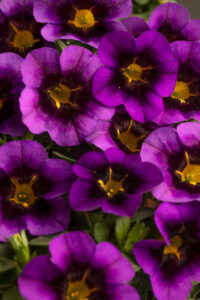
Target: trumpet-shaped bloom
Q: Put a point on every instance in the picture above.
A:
(176, 153)
(30, 190)
(78, 269)
(86, 21)
(173, 21)
(57, 97)
(136, 73)
(113, 181)
(173, 262)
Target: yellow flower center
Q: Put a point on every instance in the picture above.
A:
(83, 19)
(112, 187)
(182, 91)
(129, 139)
(78, 290)
(24, 193)
(22, 38)
(191, 172)
(61, 94)
(175, 243)
(134, 72)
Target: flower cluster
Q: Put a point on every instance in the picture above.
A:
(121, 98)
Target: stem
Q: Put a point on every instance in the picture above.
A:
(69, 159)
(88, 221)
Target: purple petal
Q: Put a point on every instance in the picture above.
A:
(38, 64)
(48, 216)
(38, 279)
(46, 12)
(116, 267)
(115, 156)
(77, 59)
(115, 44)
(122, 292)
(135, 26)
(119, 8)
(89, 163)
(189, 134)
(85, 195)
(73, 246)
(52, 32)
(12, 7)
(191, 32)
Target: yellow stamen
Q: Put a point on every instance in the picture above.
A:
(129, 139)
(22, 39)
(112, 187)
(175, 243)
(78, 290)
(24, 193)
(182, 91)
(61, 95)
(191, 172)
(134, 72)
(83, 19)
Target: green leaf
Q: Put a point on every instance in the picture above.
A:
(101, 232)
(12, 294)
(137, 233)
(42, 241)
(6, 264)
(121, 228)
(142, 214)
(142, 2)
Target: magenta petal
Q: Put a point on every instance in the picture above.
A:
(85, 195)
(115, 156)
(74, 246)
(135, 26)
(189, 133)
(113, 44)
(116, 267)
(38, 64)
(34, 283)
(48, 216)
(46, 13)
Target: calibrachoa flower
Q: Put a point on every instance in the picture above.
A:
(30, 189)
(184, 102)
(86, 21)
(58, 97)
(121, 131)
(174, 262)
(19, 32)
(78, 269)
(113, 181)
(136, 73)
(176, 153)
(173, 21)
(11, 86)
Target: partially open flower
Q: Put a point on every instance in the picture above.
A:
(78, 269)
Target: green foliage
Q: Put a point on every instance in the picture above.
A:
(101, 232)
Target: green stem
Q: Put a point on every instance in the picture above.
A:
(69, 159)
(88, 221)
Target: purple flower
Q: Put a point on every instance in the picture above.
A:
(135, 25)
(86, 21)
(78, 269)
(184, 102)
(20, 32)
(11, 86)
(58, 97)
(113, 181)
(30, 189)
(176, 153)
(121, 131)
(174, 262)
(173, 21)
(136, 73)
